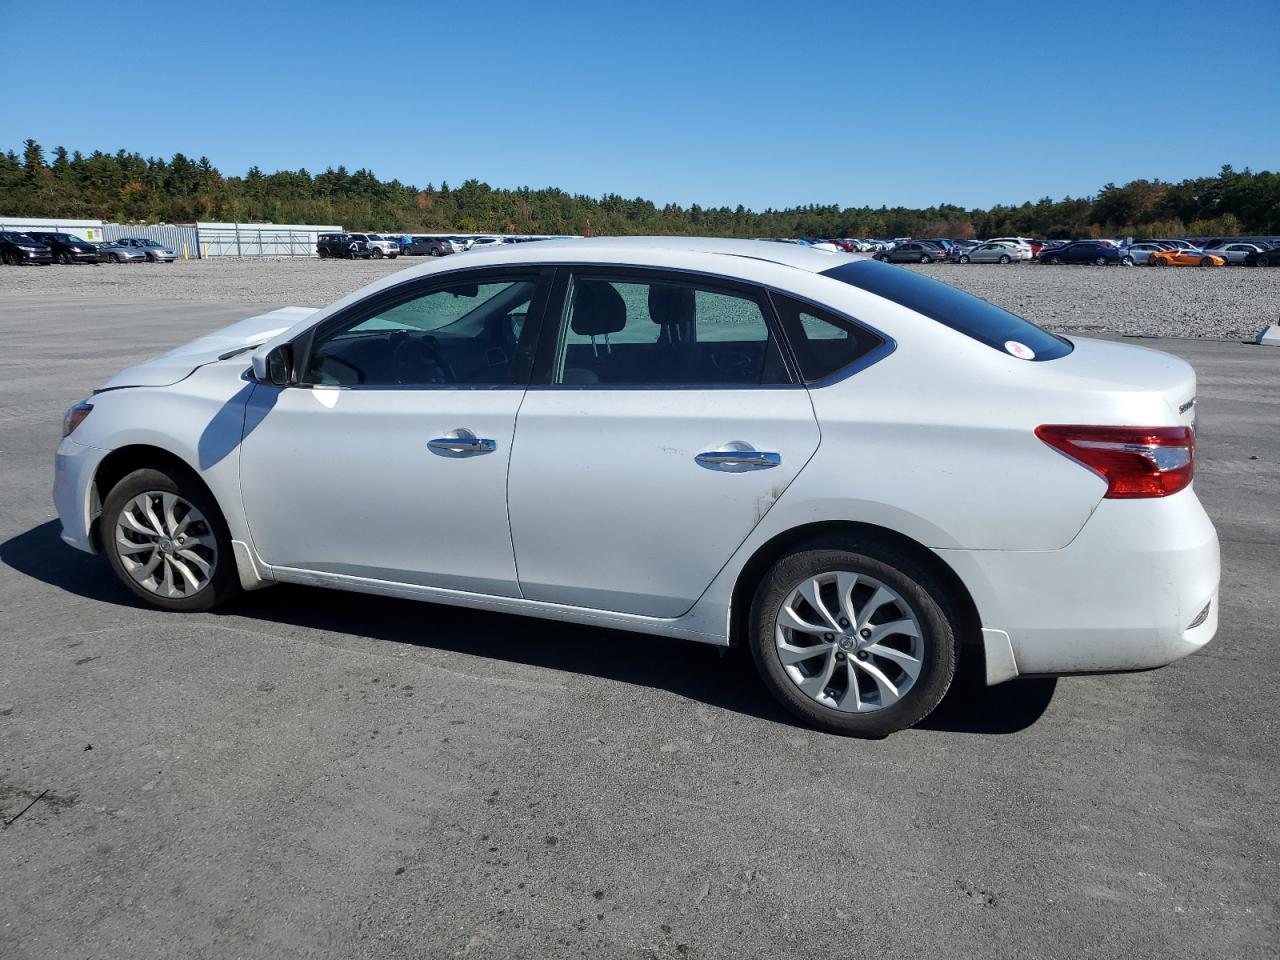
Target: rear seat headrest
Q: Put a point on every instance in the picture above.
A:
(597, 309)
(670, 304)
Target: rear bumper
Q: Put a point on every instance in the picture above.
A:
(1126, 594)
(74, 467)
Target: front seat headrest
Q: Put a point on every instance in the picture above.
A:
(670, 304)
(597, 309)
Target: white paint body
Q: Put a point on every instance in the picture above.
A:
(592, 509)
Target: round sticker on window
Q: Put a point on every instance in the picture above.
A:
(1019, 350)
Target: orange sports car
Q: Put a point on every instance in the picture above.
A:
(1185, 258)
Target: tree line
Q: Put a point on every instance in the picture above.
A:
(125, 187)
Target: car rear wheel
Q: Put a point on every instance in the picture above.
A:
(113, 258)
(323, 253)
(1056, 261)
(1262, 260)
(1206, 262)
(434, 252)
(964, 258)
(1100, 261)
(377, 253)
(167, 542)
(857, 640)
(1004, 258)
(925, 258)
(1126, 261)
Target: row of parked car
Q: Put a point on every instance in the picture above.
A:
(46, 248)
(1181, 252)
(374, 246)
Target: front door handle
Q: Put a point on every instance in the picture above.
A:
(461, 443)
(738, 457)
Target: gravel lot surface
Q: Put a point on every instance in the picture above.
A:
(317, 774)
(1231, 303)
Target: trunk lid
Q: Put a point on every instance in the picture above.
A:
(1125, 368)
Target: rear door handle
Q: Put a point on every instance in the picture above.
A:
(737, 461)
(461, 443)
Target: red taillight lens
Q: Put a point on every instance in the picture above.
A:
(1135, 461)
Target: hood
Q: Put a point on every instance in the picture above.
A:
(179, 363)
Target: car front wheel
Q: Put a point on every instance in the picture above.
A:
(167, 542)
(855, 641)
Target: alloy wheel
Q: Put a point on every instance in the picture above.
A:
(165, 544)
(849, 642)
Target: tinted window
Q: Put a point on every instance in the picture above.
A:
(458, 333)
(963, 312)
(664, 332)
(823, 343)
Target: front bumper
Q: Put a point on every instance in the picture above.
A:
(35, 256)
(1127, 594)
(74, 467)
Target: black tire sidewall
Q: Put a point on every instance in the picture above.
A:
(224, 583)
(939, 622)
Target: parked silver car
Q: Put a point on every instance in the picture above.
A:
(135, 249)
(1234, 253)
(990, 253)
(1141, 252)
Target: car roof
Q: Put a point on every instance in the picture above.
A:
(604, 249)
(731, 258)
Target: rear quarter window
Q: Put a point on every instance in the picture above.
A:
(962, 312)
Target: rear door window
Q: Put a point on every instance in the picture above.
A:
(631, 329)
(962, 312)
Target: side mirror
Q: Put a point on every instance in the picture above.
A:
(275, 366)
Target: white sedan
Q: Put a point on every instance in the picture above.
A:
(862, 474)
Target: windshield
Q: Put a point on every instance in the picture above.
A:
(962, 312)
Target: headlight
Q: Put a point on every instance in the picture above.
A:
(75, 416)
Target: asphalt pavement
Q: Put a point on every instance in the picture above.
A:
(318, 774)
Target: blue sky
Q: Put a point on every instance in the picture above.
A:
(765, 104)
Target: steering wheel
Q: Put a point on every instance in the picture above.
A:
(418, 360)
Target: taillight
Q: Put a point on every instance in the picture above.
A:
(1135, 461)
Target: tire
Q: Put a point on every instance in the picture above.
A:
(1056, 261)
(1004, 258)
(151, 258)
(1262, 260)
(1126, 261)
(65, 259)
(964, 258)
(925, 258)
(323, 253)
(1206, 262)
(1100, 261)
(218, 585)
(435, 252)
(377, 253)
(920, 599)
(113, 258)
